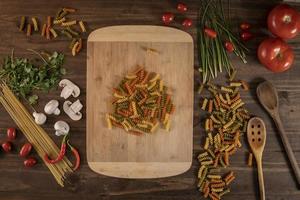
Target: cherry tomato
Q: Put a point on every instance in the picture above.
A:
(30, 162)
(284, 21)
(246, 36)
(181, 7)
(210, 32)
(167, 18)
(275, 54)
(299, 21)
(245, 26)
(187, 23)
(6, 146)
(11, 134)
(25, 150)
(229, 46)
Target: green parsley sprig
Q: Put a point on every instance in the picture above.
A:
(25, 76)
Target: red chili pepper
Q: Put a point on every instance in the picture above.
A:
(245, 26)
(181, 7)
(229, 46)
(76, 154)
(187, 23)
(210, 32)
(61, 154)
(245, 36)
(167, 18)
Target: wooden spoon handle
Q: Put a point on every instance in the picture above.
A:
(288, 148)
(261, 179)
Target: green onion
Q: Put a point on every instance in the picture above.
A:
(213, 57)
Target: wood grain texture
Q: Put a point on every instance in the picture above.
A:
(268, 97)
(115, 51)
(18, 183)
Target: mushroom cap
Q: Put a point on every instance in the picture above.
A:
(67, 108)
(62, 127)
(51, 107)
(75, 88)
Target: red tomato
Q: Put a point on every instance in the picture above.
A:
(181, 7)
(167, 18)
(229, 46)
(210, 32)
(284, 21)
(275, 54)
(6, 146)
(187, 23)
(245, 26)
(30, 162)
(246, 36)
(25, 150)
(11, 134)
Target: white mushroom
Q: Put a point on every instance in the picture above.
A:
(61, 128)
(73, 109)
(69, 88)
(52, 108)
(39, 118)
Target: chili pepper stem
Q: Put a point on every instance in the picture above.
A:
(76, 154)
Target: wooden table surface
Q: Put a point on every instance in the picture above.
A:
(16, 182)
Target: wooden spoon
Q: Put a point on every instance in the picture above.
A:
(256, 134)
(268, 97)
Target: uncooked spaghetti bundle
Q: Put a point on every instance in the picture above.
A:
(39, 139)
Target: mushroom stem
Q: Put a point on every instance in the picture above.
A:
(73, 109)
(52, 107)
(39, 118)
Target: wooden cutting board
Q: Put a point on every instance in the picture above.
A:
(114, 51)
